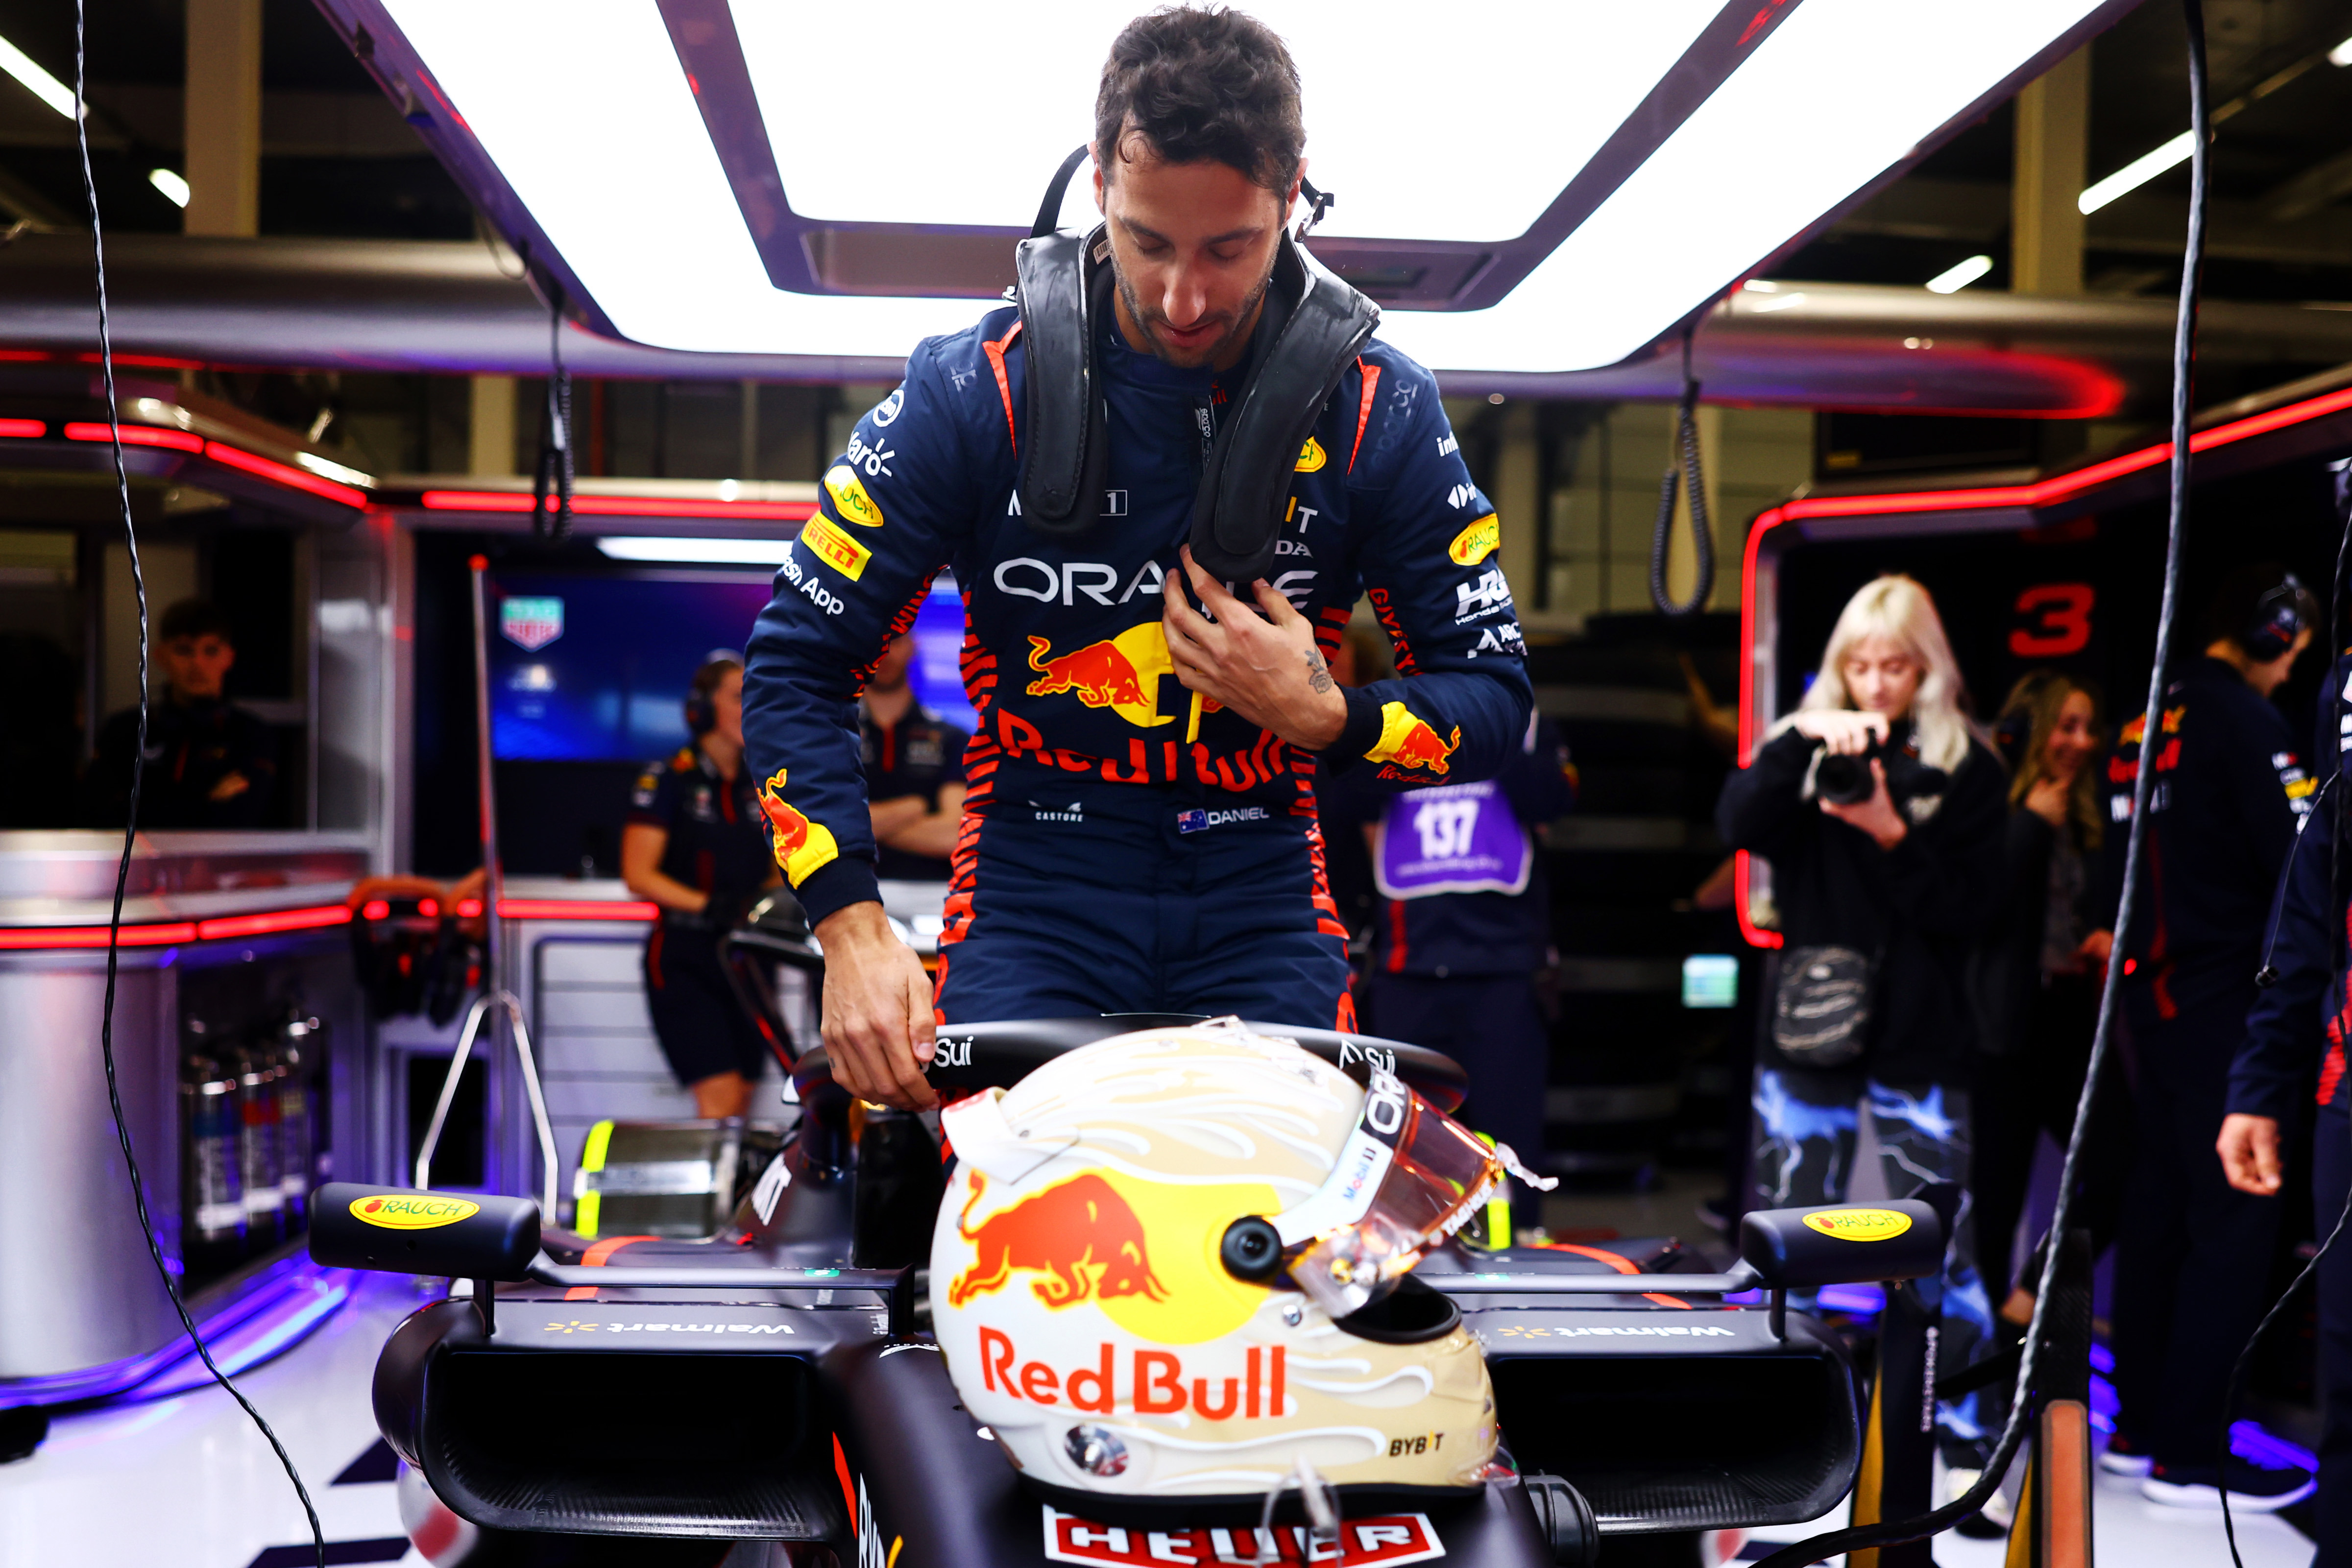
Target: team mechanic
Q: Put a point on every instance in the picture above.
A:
(1140, 828)
(2309, 979)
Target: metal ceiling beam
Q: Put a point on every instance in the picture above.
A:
(445, 308)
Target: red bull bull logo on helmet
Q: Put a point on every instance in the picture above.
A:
(1409, 743)
(1080, 1234)
(1122, 674)
(801, 846)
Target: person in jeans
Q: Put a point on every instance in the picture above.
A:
(1907, 877)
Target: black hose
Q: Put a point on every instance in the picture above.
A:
(555, 470)
(2184, 343)
(131, 825)
(1682, 465)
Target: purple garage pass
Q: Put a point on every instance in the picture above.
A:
(1453, 838)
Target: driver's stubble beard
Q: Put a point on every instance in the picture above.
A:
(1245, 320)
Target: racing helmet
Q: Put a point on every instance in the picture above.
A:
(1171, 1267)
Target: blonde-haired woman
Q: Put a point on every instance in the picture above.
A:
(1881, 813)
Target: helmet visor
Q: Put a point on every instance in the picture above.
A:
(1407, 1178)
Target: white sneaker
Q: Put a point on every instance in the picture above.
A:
(2253, 1489)
(2124, 1461)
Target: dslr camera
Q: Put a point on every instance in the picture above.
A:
(1844, 778)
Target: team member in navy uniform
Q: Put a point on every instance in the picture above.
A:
(1139, 828)
(1465, 922)
(694, 846)
(2273, 1069)
(210, 764)
(914, 772)
(2193, 1256)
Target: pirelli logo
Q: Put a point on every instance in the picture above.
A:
(836, 549)
(1476, 542)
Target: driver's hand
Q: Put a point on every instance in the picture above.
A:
(877, 1010)
(2249, 1147)
(1846, 731)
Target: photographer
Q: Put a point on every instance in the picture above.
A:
(1881, 814)
(2194, 1255)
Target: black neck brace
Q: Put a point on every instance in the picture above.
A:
(1314, 327)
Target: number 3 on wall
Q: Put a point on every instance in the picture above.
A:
(2056, 618)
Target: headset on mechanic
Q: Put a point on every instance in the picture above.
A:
(693, 845)
(2193, 1257)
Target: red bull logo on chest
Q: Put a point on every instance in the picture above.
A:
(1122, 674)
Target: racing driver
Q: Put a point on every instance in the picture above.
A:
(1140, 829)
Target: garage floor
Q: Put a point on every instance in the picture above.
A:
(188, 1482)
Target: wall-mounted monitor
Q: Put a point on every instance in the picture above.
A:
(593, 667)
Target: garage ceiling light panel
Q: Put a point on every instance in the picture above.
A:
(1531, 188)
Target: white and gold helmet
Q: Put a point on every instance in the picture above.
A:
(1167, 1267)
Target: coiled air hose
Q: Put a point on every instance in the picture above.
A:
(1682, 467)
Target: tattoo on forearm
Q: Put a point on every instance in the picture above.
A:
(1318, 673)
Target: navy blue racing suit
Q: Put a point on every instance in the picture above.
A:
(2193, 1254)
(2298, 1022)
(1126, 846)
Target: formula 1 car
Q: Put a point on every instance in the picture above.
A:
(770, 1395)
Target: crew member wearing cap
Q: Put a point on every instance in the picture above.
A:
(694, 846)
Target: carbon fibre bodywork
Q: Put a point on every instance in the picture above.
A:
(816, 1422)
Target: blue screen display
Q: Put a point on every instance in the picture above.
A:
(593, 667)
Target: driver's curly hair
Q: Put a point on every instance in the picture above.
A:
(1197, 83)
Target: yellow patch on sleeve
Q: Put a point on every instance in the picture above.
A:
(849, 497)
(800, 847)
(836, 549)
(1476, 542)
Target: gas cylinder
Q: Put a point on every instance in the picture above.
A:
(300, 1041)
(212, 1197)
(258, 1072)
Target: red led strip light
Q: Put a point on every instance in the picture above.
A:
(620, 505)
(136, 435)
(219, 452)
(575, 909)
(2043, 493)
(316, 917)
(284, 474)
